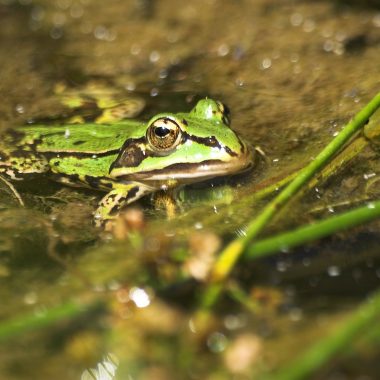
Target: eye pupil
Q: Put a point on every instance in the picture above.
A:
(161, 131)
(163, 135)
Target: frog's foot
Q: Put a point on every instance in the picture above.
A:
(166, 200)
(120, 196)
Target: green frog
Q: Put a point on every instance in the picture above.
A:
(97, 102)
(129, 159)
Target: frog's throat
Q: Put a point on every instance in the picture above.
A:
(194, 172)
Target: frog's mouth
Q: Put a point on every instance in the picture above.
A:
(188, 172)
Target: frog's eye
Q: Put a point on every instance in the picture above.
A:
(163, 134)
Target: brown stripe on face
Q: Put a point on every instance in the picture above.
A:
(209, 141)
(131, 155)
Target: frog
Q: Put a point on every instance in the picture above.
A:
(97, 102)
(129, 159)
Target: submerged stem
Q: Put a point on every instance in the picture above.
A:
(32, 321)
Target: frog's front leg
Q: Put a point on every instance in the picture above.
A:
(120, 196)
(167, 200)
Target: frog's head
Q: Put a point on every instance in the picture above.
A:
(184, 147)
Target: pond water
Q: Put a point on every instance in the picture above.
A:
(292, 73)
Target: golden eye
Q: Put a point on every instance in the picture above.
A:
(163, 134)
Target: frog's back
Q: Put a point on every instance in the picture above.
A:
(71, 153)
(85, 138)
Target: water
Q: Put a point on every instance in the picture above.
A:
(292, 74)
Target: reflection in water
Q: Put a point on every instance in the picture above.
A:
(105, 370)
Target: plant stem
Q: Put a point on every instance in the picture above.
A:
(358, 323)
(313, 231)
(33, 321)
(230, 255)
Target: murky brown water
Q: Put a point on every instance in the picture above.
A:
(292, 73)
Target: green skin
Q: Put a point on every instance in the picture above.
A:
(129, 159)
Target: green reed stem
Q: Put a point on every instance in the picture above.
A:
(362, 320)
(313, 231)
(35, 320)
(230, 255)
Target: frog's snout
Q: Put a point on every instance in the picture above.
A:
(245, 160)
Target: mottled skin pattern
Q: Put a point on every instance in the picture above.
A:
(128, 159)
